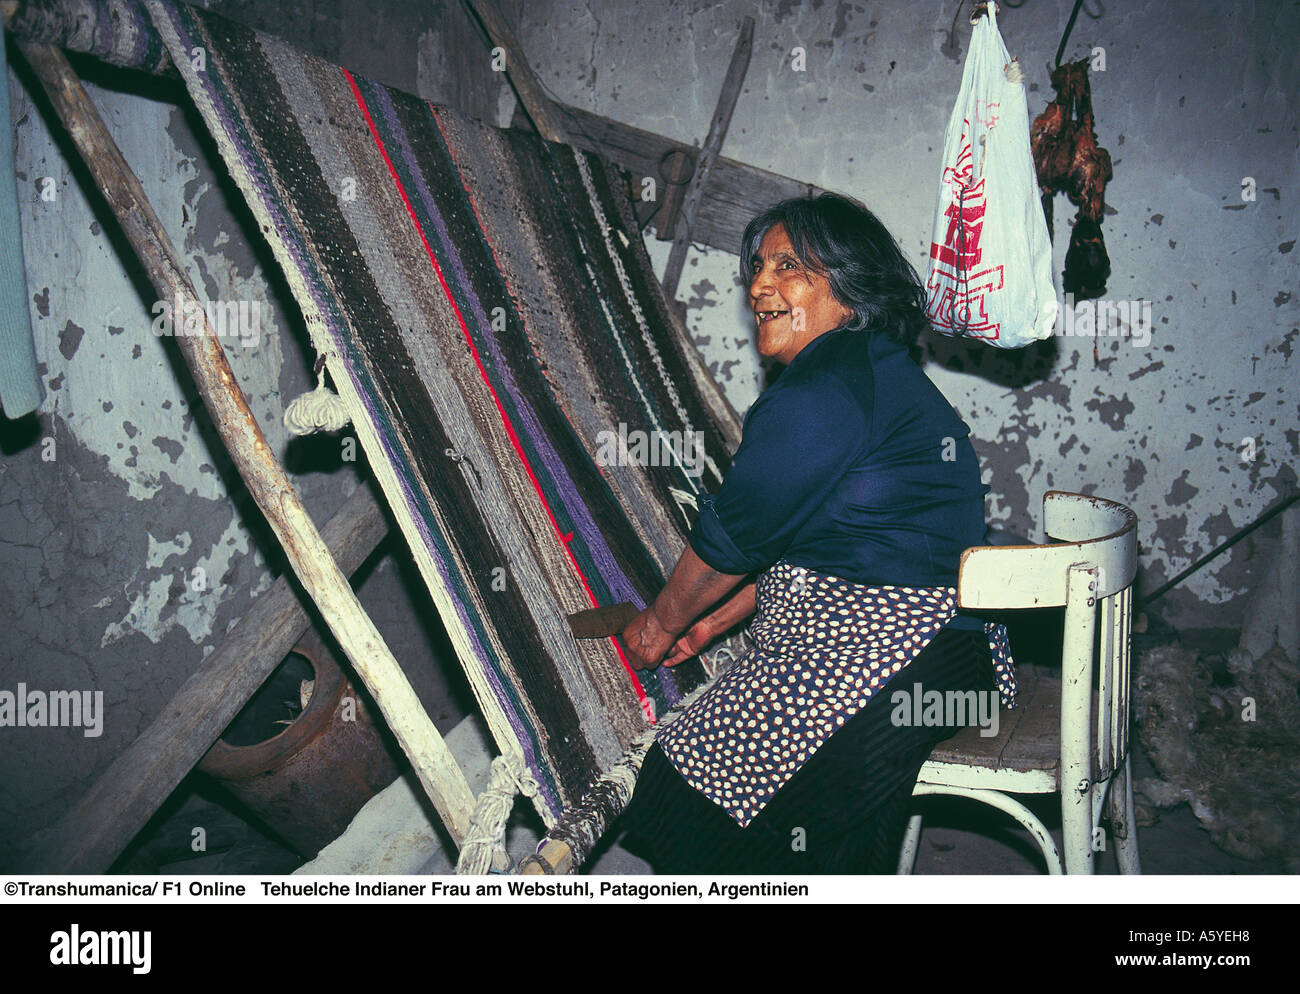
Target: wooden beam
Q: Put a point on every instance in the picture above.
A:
(708, 155)
(676, 170)
(528, 87)
(732, 195)
(83, 26)
(439, 774)
(553, 858)
(95, 831)
(452, 70)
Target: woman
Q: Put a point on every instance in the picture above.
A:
(852, 495)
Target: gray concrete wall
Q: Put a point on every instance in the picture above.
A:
(101, 538)
(125, 558)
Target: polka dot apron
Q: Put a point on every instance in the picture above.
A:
(823, 647)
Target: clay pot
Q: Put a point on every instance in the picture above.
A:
(307, 782)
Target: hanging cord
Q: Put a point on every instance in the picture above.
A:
(1069, 26)
(951, 43)
(319, 410)
(484, 848)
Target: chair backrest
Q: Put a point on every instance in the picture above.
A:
(1089, 571)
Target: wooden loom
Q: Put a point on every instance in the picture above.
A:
(100, 825)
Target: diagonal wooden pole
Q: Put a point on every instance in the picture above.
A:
(525, 82)
(441, 777)
(709, 155)
(91, 834)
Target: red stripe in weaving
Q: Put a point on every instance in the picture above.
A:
(505, 418)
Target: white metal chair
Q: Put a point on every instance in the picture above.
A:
(1064, 736)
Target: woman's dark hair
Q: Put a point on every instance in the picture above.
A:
(846, 243)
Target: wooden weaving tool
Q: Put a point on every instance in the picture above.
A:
(602, 622)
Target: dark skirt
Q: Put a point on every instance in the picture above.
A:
(846, 809)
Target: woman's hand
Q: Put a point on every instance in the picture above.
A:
(690, 645)
(693, 588)
(709, 628)
(646, 640)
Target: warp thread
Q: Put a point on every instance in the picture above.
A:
(581, 825)
(584, 171)
(486, 838)
(685, 499)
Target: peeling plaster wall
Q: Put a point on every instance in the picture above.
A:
(125, 556)
(126, 560)
(1194, 98)
(101, 543)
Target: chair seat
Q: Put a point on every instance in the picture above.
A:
(1025, 755)
(1043, 747)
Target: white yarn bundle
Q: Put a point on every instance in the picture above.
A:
(319, 410)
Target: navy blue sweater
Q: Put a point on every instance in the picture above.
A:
(851, 464)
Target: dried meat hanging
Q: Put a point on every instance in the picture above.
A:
(1069, 160)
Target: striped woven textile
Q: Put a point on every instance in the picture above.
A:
(490, 317)
(119, 32)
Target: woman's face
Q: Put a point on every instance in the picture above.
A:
(792, 304)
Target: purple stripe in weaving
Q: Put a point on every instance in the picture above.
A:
(325, 306)
(620, 587)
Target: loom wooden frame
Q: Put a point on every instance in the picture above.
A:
(95, 831)
(309, 556)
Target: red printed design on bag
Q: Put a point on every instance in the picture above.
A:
(956, 281)
(985, 113)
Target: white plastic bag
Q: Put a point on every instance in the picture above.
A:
(990, 275)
